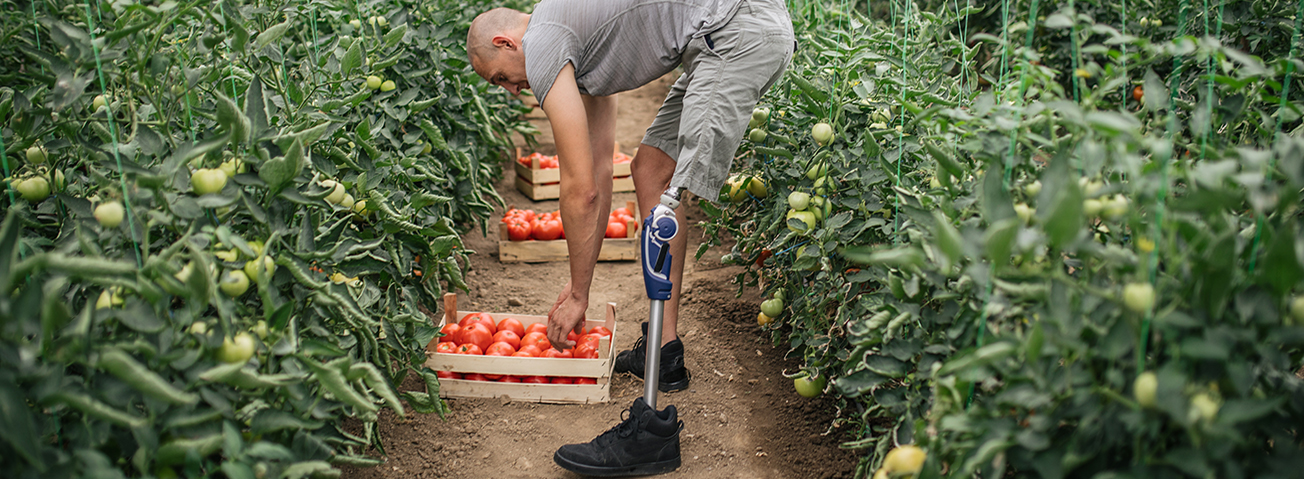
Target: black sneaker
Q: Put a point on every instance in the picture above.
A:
(674, 375)
(645, 442)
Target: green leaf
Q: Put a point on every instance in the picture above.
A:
(278, 172)
(1155, 93)
(900, 257)
(231, 119)
(271, 420)
(886, 366)
(999, 241)
(948, 238)
(1063, 219)
(352, 59)
(858, 383)
(270, 35)
(16, 421)
(1282, 269)
(394, 36)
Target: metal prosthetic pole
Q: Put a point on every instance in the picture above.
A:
(658, 229)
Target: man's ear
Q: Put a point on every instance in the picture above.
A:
(504, 41)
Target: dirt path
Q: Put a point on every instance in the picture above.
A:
(741, 416)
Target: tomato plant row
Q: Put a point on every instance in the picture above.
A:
(225, 222)
(1049, 241)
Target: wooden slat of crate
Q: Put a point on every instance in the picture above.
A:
(533, 251)
(600, 369)
(544, 184)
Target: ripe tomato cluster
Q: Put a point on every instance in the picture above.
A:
(526, 224)
(477, 334)
(618, 222)
(547, 162)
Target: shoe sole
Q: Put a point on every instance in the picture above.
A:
(653, 468)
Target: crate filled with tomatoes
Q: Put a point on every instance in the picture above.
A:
(491, 355)
(539, 178)
(532, 237)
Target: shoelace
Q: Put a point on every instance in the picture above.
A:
(628, 424)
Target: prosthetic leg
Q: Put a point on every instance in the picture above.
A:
(646, 442)
(658, 229)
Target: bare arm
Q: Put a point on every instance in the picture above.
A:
(583, 130)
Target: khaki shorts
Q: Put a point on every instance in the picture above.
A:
(705, 116)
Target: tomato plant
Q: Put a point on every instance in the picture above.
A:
(995, 251)
(194, 175)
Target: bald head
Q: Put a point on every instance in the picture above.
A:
(497, 22)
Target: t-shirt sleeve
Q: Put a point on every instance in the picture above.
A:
(548, 48)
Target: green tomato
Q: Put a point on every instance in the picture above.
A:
(778, 294)
(758, 135)
(355, 23)
(36, 155)
(382, 21)
(251, 268)
(1139, 297)
(772, 307)
(798, 200)
(1033, 188)
(762, 320)
(109, 298)
(234, 283)
(817, 171)
(337, 192)
(1297, 309)
(236, 350)
(1115, 207)
(761, 115)
(1204, 407)
(260, 328)
(347, 202)
(374, 82)
(822, 133)
(904, 461)
(231, 167)
(207, 180)
(737, 190)
(98, 103)
(360, 208)
(58, 180)
(33, 189)
(199, 328)
(809, 387)
(1025, 212)
(109, 214)
(1144, 389)
(806, 217)
(756, 186)
(426, 149)
(388, 85)
(1091, 208)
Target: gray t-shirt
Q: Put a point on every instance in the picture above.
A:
(615, 45)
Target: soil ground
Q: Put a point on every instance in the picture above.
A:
(742, 418)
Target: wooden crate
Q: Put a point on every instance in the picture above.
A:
(600, 369)
(545, 184)
(534, 251)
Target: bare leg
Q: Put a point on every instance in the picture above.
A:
(651, 170)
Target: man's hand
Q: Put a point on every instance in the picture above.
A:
(566, 316)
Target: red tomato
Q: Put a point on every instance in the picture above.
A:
(523, 354)
(591, 339)
(553, 353)
(538, 340)
(484, 318)
(510, 379)
(507, 336)
(448, 375)
(534, 380)
(475, 377)
(536, 328)
(530, 350)
(513, 325)
(622, 211)
(446, 347)
(586, 351)
(452, 332)
(479, 335)
(518, 230)
(586, 381)
(617, 229)
(470, 349)
(571, 336)
(600, 331)
(547, 230)
(562, 380)
(500, 348)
